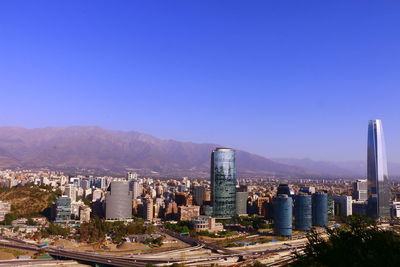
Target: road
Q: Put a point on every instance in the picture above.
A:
(31, 262)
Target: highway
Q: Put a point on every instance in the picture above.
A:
(191, 256)
(30, 262)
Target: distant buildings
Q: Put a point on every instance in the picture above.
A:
(201, 194)
(118, 201)
(223, 182)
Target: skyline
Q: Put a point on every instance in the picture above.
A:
(296, 80)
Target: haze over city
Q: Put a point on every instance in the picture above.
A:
(280, 79)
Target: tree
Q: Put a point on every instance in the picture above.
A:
(358, 243)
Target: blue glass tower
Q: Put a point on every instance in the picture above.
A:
(223, 182)
(303, 212)
(320, 209)
(378, 181)
(283, 215)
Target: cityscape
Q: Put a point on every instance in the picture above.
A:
(224, 220)
(199, 133)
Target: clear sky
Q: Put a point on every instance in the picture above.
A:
(278, 78)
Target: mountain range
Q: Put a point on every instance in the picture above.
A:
(101, 150)
(97, 150)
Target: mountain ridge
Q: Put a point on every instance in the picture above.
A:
(93, 147)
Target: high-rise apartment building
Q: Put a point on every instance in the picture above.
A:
(63, 209)
(360, 188)
(223, 182)
(378, 180)
(343, 205)
(148, 209)
(241, 203)
(70, 191)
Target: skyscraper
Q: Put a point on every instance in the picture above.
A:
(283, 215)
(223, 182)
(303, 212)
(118, 201)
(319, 204)
(378, 180)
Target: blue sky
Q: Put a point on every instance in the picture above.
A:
(278, 78)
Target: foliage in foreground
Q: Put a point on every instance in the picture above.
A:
(359, 243)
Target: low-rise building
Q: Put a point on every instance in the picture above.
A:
(206, 223)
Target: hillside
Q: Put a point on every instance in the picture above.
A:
(117, 151)
(28, 199)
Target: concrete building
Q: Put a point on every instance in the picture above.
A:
(118, 201)
(241, 203)
(97, 194)
(171, 211)
(199, 194)
(188, 213)
(84, 214)
(70, 191)
(360, 189)
(5, 208)
(207, 223)
(148, 209)
(395, 210)
(343, 205)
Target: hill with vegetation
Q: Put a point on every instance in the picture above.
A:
(29, 200)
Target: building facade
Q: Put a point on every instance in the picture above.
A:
(118, 201)
(320, 209)
(283, 215)
(241, 203)
(63, 210)
(378, 180)
(206, 223)
(343, 205)
(360, 188)
(303, 212)
(223, 182)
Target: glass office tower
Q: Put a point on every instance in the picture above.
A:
(223, 182)
(378, 183)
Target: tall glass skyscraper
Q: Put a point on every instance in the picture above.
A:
(223, 182)
(378, 180)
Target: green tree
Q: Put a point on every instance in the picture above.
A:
(358, 243)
